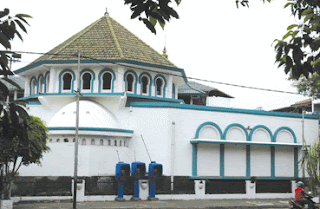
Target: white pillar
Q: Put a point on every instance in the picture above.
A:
(251, 189)
(144, 189)
(81, 190)
(200, 188)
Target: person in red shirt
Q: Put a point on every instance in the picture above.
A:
(300, 194)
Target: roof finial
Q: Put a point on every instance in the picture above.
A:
(106, 13)
(165, 49)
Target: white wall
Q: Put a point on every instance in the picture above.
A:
(208, 160)
(260, 161)
(155, 125)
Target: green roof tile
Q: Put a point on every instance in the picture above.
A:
(106, 39)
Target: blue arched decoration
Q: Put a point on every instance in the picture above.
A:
(205, 124)
(164, 85)
(34, 87)
(61, 81)
(150, 81)
(45, 82)
(42, 83)
(274, 139)
(135, 81)
(101, 75)
(238, 125)
(257, 127)
(92, 79)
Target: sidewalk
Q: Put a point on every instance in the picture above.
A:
(163, 204)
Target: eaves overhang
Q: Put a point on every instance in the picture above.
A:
(270, 144)
(91, 131)
(221, 109)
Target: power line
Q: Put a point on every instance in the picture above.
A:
(167, 73)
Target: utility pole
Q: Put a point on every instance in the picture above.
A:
(76, 137)
(304, 151)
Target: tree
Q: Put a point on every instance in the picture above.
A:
(17, 150)
(8, 30)
(159, 11)
(299, 49)
(309, 86)
(311, 162)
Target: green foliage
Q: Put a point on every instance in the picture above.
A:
(299, 49)
(159, 11)
(309, 86)
(22, 142)
(311, 162)
(9, 28)
(155, 11)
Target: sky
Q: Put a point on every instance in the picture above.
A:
(212, 40)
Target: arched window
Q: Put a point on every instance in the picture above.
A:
(33, 86)
(83, 141)
(50, 140)
(93, 142)
(58, 140)
(120, 144)
(86, 81)
(66, 140)
(159, 86)
(124, 143)
(106, 81)
(101, 142)
(66, 81)
(145, 85)
(109, 142)
(115, 143)
(130, 80)
(40, 84)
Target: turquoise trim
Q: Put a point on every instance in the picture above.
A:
(235, 125)
(245, 143)
(220, 109)
(296, 162)
(284, 128)
(257, 127)
(194, 159)
(205, 124)
(248, 161)
(100, 77)
(90, 129)
(34, 85)
(164, 85)
(150, 81)
(154, 98)
(135, 76)
(92, 79)
(239, 178)
(273, 162)
(61, 80)
(113, 61)
(45, 81)
(33, 103)
(221, 160)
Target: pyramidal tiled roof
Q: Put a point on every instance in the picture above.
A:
(106, 39)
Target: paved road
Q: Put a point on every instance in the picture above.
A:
(162, 204)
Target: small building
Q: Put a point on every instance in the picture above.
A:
(130, 105)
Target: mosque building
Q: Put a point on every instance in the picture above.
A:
(134, 101)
